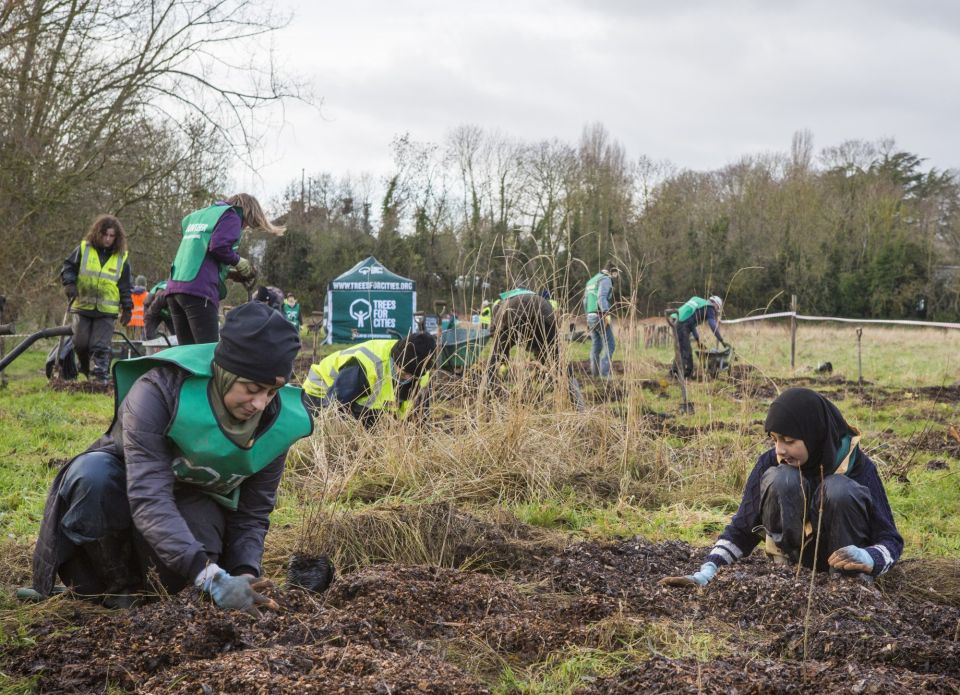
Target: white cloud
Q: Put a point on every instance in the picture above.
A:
(699, 83)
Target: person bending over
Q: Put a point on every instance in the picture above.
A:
(183, 482)
(815, 464)
(375, 377)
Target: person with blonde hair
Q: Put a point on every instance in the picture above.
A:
(96, 280)
(206, 257)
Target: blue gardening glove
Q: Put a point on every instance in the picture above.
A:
(851, 558)
(702, 577)
(234, 593)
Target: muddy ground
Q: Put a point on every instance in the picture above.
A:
(401, 629)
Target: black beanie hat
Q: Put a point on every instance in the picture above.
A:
(414, 353)
(257, 343)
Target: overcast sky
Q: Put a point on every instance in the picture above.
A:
(699, 83)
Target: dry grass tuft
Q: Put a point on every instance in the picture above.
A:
(934, 579)
(435, 534)
(15, 558)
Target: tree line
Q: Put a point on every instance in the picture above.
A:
(861, 229)
(125, 108)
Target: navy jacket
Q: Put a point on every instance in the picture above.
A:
(738, 538)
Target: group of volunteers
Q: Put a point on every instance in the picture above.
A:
(178, 492)
(96, 279)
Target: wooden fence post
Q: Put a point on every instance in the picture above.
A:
(793, 331)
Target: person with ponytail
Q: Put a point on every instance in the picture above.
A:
(207, 255)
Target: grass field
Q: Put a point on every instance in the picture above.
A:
(501, 482)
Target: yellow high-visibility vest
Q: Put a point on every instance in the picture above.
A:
(373, 356)
(97, 288)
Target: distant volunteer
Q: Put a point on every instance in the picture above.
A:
(597, 302)
(156, 313)
(291, 309)
(183, 482)
(206, 255)
(96, 280)
(815, 464)
(375, 377)
(138, 294)
(691, 314)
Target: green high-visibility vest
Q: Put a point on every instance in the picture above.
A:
(688, 308)
(591, 295)
(97, 288)
(514, 293)
(373, 356)
(292, 313)
(197, 229)
(204, 455)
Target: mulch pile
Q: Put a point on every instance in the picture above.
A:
(403, 629)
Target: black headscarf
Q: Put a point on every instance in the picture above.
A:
(804, 414)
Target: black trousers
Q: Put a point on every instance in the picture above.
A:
(686, 351)
(790, 507)
(91, 342)
(195, 319)
(94, 494)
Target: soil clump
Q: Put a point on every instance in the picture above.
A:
(405, 628)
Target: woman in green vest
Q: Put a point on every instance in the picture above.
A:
(206, 255)
(183, 482)
(96, 280)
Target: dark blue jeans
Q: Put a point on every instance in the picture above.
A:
(602, 347)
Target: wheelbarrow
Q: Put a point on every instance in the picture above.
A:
(713, 361)
(461, 347)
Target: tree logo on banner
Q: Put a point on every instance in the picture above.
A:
(360, 310)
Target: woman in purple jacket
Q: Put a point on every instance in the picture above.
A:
(815, 493)
(207, 252)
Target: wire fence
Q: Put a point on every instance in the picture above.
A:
(801, 317)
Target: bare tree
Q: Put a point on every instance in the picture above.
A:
(87, 87)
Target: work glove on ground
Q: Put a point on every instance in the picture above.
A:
(235, 593)
(70, 291)
(125, 316)
(701, 577)
(851, 558)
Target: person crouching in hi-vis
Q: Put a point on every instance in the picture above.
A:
(815, 464)
(375, 377)
(96, 280)
(184, 480)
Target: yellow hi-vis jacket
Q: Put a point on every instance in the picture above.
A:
(373, 356)
(97, 287)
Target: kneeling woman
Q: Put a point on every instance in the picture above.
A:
(184, 481)
(816, 464)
